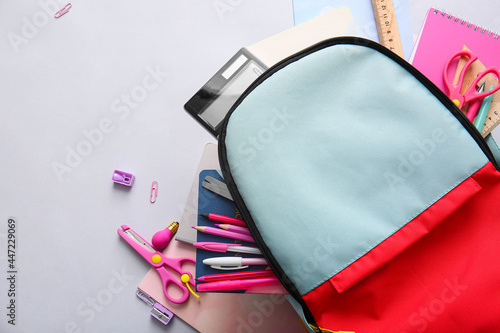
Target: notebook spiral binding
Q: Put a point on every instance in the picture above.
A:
(481, 29)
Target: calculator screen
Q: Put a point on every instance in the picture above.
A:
(210, 105)
(217, 110)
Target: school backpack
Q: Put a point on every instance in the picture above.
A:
(372, 197)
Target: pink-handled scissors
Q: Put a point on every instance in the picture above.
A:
(471, 95)
(159, 261)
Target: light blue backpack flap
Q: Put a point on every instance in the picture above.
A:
(337, 148)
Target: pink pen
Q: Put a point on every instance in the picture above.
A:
(235, 228)
(237, 284)
(226, 247)
(225, 233)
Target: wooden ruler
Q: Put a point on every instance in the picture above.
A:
(387, 27)
(491, 122)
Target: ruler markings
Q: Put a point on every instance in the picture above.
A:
(387, 26)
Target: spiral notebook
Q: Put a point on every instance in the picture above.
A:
(442, 35)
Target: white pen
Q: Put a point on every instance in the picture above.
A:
(230, 263)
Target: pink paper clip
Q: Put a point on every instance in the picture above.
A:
(154, 191)
(63, 11)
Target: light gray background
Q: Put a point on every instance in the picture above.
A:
(108, 81)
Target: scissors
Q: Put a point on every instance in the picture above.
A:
(471, 95)
(159, 261)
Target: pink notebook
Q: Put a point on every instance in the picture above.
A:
(442, 35)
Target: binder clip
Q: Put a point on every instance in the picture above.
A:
(123, 178)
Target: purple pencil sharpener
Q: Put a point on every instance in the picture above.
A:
(124, 178)
(158, 311)
(161, 313)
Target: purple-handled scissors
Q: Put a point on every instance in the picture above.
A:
(159, 261)
(471, 95)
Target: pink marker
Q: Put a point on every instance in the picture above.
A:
(235, 276)
(224, 219)
(225, 233)
(237, 284)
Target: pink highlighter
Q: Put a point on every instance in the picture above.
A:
(162, 238)
(237, 284)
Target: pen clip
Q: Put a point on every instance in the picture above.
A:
(231, 244)
(243, 249)
(228, 268)
(216, 247)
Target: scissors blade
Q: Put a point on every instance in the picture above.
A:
(132, 235)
